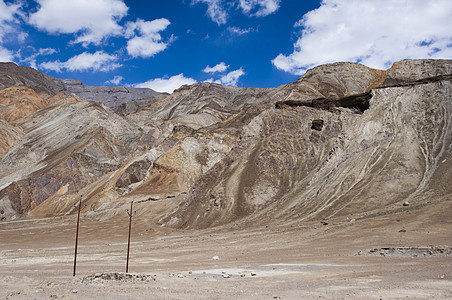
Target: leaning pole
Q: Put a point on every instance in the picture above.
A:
(130, 230)
(79, 209)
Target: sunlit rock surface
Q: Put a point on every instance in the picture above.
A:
(343, 139)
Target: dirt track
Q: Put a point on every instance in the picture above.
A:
(295, 261)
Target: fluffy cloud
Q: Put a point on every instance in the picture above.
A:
(93, 20)
(5, 55)
(259, 8)
(221, 67)
(115, 81)
(8, 19)
(7, 16)
(239, 31)
(149, 41)
(98, 61)
(370, 32)
(215, 10)
(165, 84)
(31, 59)
(232, 78)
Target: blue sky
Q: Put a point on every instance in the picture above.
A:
(250, 43)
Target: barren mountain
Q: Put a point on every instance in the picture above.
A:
(113, 97)
(333, 186)
(12, 75)
(344, 140)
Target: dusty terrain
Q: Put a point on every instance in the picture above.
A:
(306, 260)
(335, 186)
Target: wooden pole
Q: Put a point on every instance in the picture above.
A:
(130, 230)
(79, 209)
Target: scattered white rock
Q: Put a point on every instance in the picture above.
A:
(253, 274)
(171, 275)
(180, 275)
(216, 257)
(226, 276)
(75, 291)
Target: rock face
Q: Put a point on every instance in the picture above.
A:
(113, 97)
(13, 75)
(343, 140)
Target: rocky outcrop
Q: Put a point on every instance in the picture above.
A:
(14, 75)
(284, 168)
(113, 97)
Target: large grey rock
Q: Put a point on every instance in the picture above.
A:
(110, 96)
(14, 75)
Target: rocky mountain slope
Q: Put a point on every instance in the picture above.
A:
(12, 75)
(343, 141)
(113, 97)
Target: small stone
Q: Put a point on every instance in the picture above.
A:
(75, 291)
(242, 275)
(406, 203)
(180, 275)
(171, 274)
(216, 257)
(402, 230)
(226, 276)
(253, 274)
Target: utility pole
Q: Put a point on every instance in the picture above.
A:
(79, 209)
(130, 230)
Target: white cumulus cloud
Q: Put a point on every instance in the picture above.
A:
(221, 67)
(8, 22)
(115, 81)
(259, 8)
(92, 20)
(5, 55)
(166, 84)
(7, 16)
(232, 78)
(98, 61)
(146, 40)
(374, 33)
(215, 10)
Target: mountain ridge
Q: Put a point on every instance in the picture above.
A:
(343, 140)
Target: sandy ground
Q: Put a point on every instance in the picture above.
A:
(292, 261)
